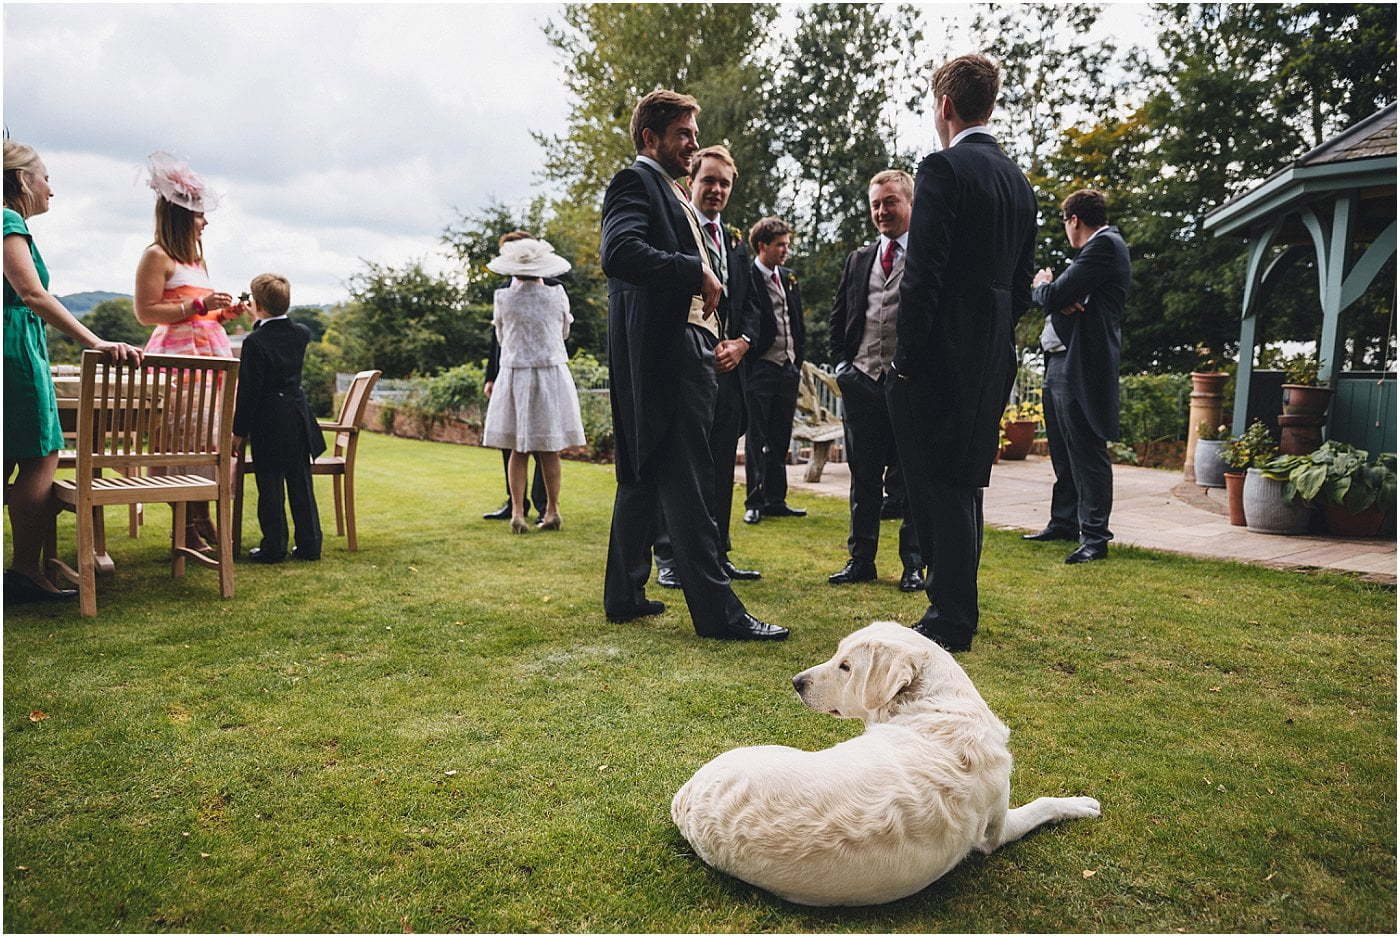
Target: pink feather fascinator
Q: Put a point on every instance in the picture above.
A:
(177, 183)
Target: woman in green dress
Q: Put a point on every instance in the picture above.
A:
(32, 434)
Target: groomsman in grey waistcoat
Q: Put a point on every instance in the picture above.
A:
(864, 316)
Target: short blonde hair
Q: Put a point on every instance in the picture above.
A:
(657, 111)
(717, 152)
(905, 181)
(19, 160)
(271, 292)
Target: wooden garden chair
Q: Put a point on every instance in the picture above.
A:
(339, 462)
(817, 422)
(171, 410)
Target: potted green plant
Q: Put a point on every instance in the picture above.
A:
(1018, 425)
(1240, 453)
(1354, 493)
(1302, 394)
(1210, 471)
(1266, 509)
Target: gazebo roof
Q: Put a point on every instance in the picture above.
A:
(1360, 157)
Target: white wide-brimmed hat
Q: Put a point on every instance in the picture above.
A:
(528, 257)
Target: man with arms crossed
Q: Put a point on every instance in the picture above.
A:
(712, 177)
(863, 319)
(662, 336)
(966, 281)
(1082, 335)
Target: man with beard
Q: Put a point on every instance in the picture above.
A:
(662, 339)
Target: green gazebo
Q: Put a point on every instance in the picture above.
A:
(1337, 202)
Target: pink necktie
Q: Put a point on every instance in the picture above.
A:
(887, 261)
(713, 230)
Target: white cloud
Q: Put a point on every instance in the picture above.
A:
(333, 131)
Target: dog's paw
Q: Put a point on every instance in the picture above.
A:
(1077, 807)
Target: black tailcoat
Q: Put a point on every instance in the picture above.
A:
(272, 411)
(653, 269)
(967, 279)
(1092, 338)
(849, 305)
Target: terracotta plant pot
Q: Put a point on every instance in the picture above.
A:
(1210, 471)
(1299, 433)
(1019, 436)
(1234, 497)
(1344, 523)
(1265, 510)
(1208, 382)
(1306, 399)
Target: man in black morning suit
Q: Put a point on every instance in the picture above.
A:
(663, 342)
(493, 370)
(967, 279)
(712, 178)
(774, 373)
(272, 413)
(864, 317)
(1081, 339)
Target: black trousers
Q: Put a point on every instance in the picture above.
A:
(537, 492)
(870, 452)
(1083, 495)
(948, 520)
(292, 475)
(679, 478)
(772, 400)
(728, 426)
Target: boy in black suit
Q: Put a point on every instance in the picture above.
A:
(273, 413)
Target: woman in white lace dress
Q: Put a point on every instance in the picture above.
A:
(534, 405)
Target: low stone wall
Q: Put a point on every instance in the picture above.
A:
(397, 421)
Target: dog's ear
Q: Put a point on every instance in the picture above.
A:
(889, 670)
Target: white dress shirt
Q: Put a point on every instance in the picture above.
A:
(963, 134)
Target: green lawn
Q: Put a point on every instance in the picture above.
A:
(442, 732)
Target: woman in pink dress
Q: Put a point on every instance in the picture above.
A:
(174, 293)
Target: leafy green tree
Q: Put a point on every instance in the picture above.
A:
(835, 127)
(111, 319)
(311, 317)
(407, 321)
(613, 54)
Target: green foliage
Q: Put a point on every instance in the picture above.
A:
(111, 319)
(1122, 453)
(407, 321)
(318, 378)
(1153, 407)
(455, 390)
(1210, 433)
(1337, 473)
(1300, 369)
(312, 317)
(595, 407)
(1254, 448)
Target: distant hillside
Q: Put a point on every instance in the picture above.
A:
(81, 303)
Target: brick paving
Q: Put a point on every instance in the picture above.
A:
(1154, 508)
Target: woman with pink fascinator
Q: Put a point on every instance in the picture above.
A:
(174, 292)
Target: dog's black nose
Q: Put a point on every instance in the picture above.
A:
(799, 682)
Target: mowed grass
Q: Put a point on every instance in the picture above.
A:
(442, 732)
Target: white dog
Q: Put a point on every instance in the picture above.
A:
(883, 815)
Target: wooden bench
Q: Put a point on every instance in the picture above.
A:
(817, 420)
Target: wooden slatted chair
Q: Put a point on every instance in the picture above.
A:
(818, 421)
(171, 410)
(339, 462)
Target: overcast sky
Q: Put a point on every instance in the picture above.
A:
(333, 132)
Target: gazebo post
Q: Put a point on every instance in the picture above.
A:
(1255, 276)
(1329, 349)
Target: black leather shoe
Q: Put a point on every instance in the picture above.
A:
(912, 580)
(953, 645)
(753, 516)
(1087, 552)
(782, 510)
(753, 630)
(734, 572)
(501, 514)
(853, 571)
(257, 555)
(308, 557)
(1051, 533)
(667, 579)
(648, 607)
(20, 589)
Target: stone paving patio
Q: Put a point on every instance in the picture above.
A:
(1154, 508)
